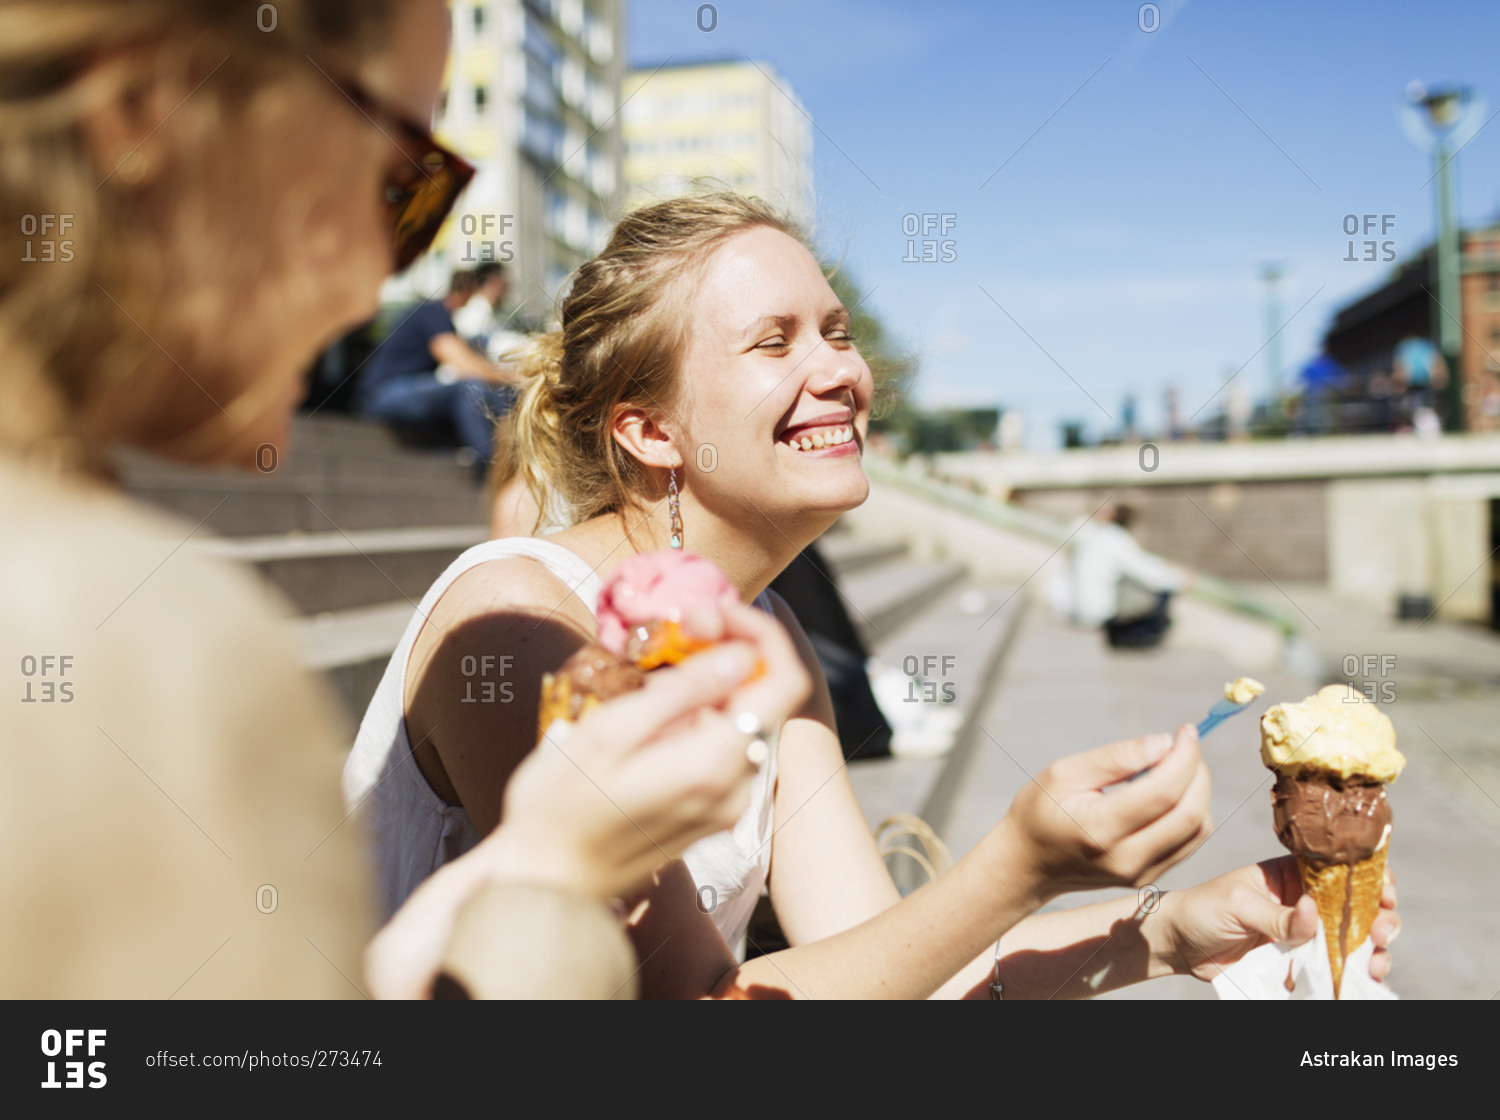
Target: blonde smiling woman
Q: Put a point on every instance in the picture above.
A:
(704, 383)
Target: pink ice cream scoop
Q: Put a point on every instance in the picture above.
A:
(643, 602)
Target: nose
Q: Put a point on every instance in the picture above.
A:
(840, 373)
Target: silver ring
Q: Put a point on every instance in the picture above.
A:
(760, 745)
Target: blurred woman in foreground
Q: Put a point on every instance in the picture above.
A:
(197, 198)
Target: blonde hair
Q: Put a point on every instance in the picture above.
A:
(624, 328)
(70, 359)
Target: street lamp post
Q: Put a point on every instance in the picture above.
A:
(1445, 113)
(1271, 274)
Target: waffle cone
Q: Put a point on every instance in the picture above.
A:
(560, 701)
(1342, 889)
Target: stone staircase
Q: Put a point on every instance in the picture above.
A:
(940, 637)
(353, 527)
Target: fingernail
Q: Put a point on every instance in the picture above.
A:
(1391, 940)
(734, 662)
(1157, 744)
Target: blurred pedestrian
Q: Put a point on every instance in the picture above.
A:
(423, 375)
(1115, 585)
(1420, 374)
(480, 321)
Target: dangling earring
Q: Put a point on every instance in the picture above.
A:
(674, 509)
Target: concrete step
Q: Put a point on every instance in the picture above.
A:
(338, 638)
(848, 553)
(948, 658)
(230, 513)
(321, 572)
(351, 649)
(884, 596)
(340, 473)
(302, 546)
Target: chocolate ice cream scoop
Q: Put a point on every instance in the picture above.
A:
(598, 671)
(1327, 819)
(583, 682)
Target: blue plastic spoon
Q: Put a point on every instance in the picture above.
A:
(1216, 715)
(1219, 713)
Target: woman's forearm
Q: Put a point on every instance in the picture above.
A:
(910, 950)
(1067, 954)
(1077, 953)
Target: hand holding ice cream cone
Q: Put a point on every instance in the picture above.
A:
(656, 609)
(1333, 754)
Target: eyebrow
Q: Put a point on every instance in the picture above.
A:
(837, 316)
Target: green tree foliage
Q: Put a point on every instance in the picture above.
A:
(893, 368)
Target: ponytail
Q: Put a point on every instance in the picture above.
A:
(527, 440)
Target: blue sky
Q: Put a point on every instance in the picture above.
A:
(1126, 236)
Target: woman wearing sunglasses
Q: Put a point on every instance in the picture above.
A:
(196, 199)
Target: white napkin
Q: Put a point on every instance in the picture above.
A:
(1262, 973)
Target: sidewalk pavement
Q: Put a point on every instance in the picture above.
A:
(1063, 691)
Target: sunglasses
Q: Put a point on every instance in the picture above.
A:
(420, 193)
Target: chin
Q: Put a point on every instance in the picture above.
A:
(845, 498)
(828, 502)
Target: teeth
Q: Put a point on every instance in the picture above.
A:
(819, 440)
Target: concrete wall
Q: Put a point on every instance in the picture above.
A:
(997, 555)
(1370, 537)
(1234, 530)
(934, 533)
(1424, 536)
(1378, 543)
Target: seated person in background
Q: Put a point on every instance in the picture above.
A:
(1116, 584)
(1420, 374)
(479, 321)
(423, 373)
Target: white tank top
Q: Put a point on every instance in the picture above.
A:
(414, 832)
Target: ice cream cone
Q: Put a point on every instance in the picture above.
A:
(1348, 898)
(584, 681)
(559, 701)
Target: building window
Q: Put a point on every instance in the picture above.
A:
(481, 99)
(539, 91)
(540, 136)
(538, 43)
(479, 14)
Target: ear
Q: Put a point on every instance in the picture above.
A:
(639, 432)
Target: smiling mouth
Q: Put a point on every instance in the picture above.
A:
(816, 439)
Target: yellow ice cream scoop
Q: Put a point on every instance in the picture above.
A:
(1237, 693)
(1337, 731)
(1242, 690)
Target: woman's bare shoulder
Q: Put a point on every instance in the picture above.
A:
(512, 613)
(509, 591)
